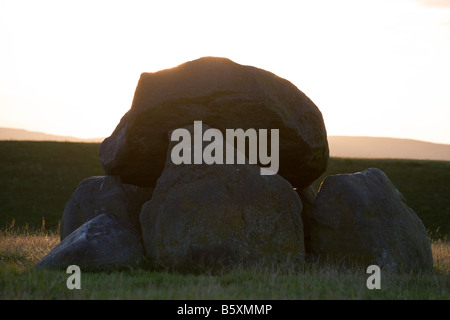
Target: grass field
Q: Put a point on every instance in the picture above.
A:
(18, 280)
(38, 178)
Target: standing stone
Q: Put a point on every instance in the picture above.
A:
(225, 95)
(363, 218)
(104, 243)
(104, 194)
(221, 214)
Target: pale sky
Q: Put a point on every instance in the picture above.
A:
(373, 67)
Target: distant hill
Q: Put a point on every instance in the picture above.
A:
(21, 134)
(374, 147)
(340, 146)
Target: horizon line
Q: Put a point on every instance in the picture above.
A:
(102, 138)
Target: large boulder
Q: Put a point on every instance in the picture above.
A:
(363, 218)
(210, 215)
(104, 243)
(225, 95)
(103, 194)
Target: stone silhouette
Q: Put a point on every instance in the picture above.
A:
(221, 214)
(224, 95)
(363, 218)
(188, 216)
(104, 194)
(104, 243)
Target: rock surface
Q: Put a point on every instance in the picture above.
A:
(104, 243)
(221, 214)
(363, 218)
(308, 196)
(104, 194)
(225, 95)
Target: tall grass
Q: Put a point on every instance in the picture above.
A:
(20, 251)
